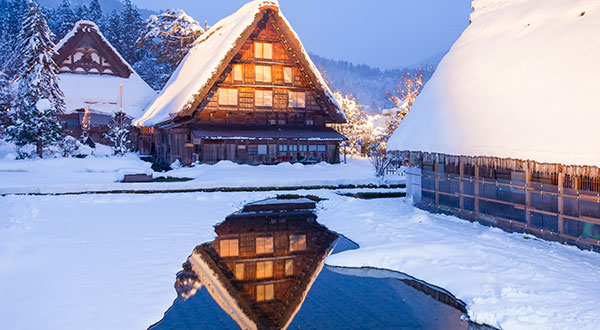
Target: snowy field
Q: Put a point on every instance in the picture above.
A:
(102, 173)
(109, 261)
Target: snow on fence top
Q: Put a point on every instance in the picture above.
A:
(202, 62)
(521, 82)
(100, 92)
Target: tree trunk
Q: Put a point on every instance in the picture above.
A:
(40, 149)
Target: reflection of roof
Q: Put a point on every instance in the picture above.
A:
(217, 132)
(212, 51)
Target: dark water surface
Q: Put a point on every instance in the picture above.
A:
(335, 300)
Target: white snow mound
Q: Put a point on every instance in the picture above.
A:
(520, 82)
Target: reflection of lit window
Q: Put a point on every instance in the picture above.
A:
(264, 269)
(287, 75)
(237, 72)
(228, 96)
(228, 247)
(263, 73)
(264, 245)
(298, 242)
(265, 292)
(263, 50)
(263, 98)
(297, 100)
(239, 271)
(289, 267)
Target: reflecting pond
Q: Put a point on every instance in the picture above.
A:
(265, 270)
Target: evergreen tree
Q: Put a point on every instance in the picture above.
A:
(82, 13)
(111, 29)
(166, 39)
(63, 19)
(12, 23)
(34, 116)
(131, 27)
(5, 101)
(95, 12)
(118, 132)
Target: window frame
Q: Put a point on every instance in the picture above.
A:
(225, 246)
(266, 243)
(263, 95)
(263, 69)
(286, 70)
(228, 95)
(240, 72)
(264, 269)
(259, 50)
(297, 242)
(295, 101)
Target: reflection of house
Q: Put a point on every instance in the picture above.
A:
(92, 74)
(264, 260)
(246, 92)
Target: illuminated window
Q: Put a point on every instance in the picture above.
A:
(283, 147)
(297, 99)
(238, 72)
(310, 122)
(263, 50)
(262, 149)
(262, 73)
(265, 292)
(264, 245)
(281, 122)
(239, 271)
(228, 248)
(289, 267)
(293, 147)
(312, 147)
(228, 96)
(303, 147)
(264, 269)
(288, 77)
(321, 147)
(263, 98)
(297, 242)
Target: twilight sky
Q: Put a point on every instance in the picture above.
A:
(382, 33)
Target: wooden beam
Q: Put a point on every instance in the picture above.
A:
(561, 213)
(476, 190)
(527, 195)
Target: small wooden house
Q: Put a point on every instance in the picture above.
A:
(264, 261)
(246, 92)
(96, 82)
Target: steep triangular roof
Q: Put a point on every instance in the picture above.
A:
(211, 54)
(98, 88)
(86, 34)
(520, 82)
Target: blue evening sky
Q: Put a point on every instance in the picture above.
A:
(382, 33)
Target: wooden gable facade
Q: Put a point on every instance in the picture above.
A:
(263, 105)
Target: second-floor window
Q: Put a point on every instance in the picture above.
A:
(263, 98)
(228, 96)
(238, 72)
(264, 269)
(297, 100)
(262, 73)
(297, 242)
(264, 245)
(265, 292)
(288, 77)
(229, 248)
(263, 50)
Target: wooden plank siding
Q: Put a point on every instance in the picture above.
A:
(552, 205)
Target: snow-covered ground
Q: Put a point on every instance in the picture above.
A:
(109, 261)
(102, 173)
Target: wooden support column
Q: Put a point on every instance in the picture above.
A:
(527, 195)
(561, 212)
(476, 190)
(461, 189)
(437, 183)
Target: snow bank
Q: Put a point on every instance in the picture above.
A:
(109, 261)
(520, 82)
(509, 281)
(200, 64)
(61, 175)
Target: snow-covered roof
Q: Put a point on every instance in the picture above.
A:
(196, 71)
(520, 82)
(100, 92)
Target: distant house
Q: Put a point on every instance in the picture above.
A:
(264, 261)
(96, 82)
(246, 92)
(498, 137)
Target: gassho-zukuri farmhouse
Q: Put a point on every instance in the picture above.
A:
(248, 92)
(96, 82)
(506, 131)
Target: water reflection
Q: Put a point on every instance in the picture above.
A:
(263, 262)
